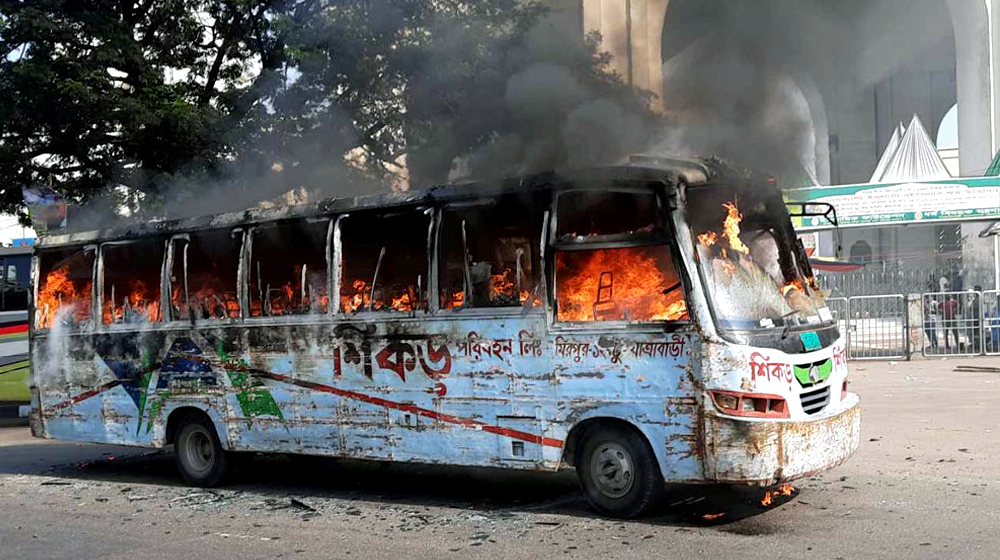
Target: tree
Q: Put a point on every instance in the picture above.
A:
(97, 94)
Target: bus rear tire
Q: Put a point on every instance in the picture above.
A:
(619, 472)
(198, 452)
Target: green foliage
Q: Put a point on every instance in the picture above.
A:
(100, 93)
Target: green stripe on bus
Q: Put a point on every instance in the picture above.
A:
(14, 366)
(14, 386)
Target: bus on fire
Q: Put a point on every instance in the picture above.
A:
(647, 324)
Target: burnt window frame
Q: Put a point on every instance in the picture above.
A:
(36, 270)
(99, 277)
(662, 192)
(518, 310)
(244, 277)
(336, 249)
(170, 258)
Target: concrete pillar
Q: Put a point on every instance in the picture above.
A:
(976, 71)
(632, 32)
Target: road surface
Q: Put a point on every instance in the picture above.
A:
(925, 484)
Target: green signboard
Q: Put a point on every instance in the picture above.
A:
(903, 203)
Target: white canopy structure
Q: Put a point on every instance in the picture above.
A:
(913, 157)
(890, 151)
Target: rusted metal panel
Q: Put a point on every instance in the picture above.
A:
(443, 391)
(768, 452)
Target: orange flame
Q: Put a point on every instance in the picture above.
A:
(783, 490)
(731, 228)
(403, 302)
(792, 286)
(56, 291)
(708, 238)
(359, 296)
(617, 284)
(140, 302)
(503, 286)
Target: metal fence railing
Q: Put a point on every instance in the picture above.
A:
(952, 323)
(878, 280)
(991, 323)
(877, 327)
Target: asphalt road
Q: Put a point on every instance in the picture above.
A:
(924, 484)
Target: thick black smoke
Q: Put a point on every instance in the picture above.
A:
(733, 75)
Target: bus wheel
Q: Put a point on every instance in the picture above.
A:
(200, 457)
(618, 472)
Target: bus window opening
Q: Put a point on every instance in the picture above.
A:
(132, 282)
(754, 278)
(490, 253)
(620, 283)
(288, 273)
(66, 289)
(384, 264)
(204, 276)
(627, 284)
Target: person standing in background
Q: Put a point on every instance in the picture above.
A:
(949, 309)
(973, 318)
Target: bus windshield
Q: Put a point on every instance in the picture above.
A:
(748, 259)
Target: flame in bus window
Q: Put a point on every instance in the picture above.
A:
(139, 304)
(307, 294)
(59, 291)
(742, 265)
(208, 299)
(731, 228)
(631, 284)
(358, 296)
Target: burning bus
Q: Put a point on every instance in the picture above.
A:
(647, 324)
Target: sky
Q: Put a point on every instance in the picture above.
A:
(948, 132)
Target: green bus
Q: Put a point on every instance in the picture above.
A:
(15, 269)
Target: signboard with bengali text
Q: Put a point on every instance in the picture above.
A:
(903, 203)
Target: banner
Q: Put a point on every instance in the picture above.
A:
(46, 207)
(904, 203)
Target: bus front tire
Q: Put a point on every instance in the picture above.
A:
(619, 472)
(200, 457)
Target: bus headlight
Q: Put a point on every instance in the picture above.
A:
(750, 404)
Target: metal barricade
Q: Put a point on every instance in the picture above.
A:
(838, 308)
(991, 323)
(952, 323)
(877, 327)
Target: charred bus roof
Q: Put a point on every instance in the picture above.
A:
(652, 169)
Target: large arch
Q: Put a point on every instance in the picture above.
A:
(633, 32)
(738, 100)
(975, 49)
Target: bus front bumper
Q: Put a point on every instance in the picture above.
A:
(739, 451)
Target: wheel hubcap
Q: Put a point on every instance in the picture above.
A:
(612, 470)
(199, 453)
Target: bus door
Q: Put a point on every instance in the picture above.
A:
(387, 362)
(492, 298)
(623, 335)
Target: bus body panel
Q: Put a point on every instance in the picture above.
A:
(468, 391)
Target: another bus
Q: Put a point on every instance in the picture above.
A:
(15, 273)
(646, 324)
